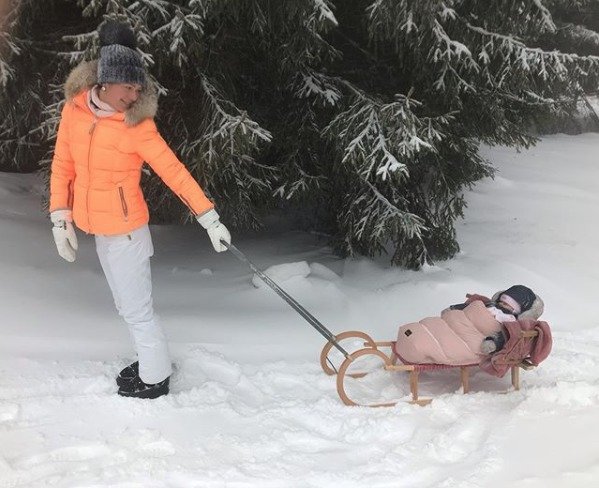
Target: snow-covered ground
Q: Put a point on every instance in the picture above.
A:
(249, 404)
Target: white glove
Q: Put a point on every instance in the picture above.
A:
(64, 234)
(216, 231)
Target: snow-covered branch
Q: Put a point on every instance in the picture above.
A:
(311, 84)
(378, 138)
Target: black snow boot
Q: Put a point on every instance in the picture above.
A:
(136, 388)
(128, 374)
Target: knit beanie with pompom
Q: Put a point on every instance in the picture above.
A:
(119, 61)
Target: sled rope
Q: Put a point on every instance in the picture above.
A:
(326, 333)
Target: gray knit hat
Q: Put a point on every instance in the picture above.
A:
(119, 61)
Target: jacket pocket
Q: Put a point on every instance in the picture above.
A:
(124, 207)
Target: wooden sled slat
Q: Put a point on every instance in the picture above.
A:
(343, 370)
(324, 354)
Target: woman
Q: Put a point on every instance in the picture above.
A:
(106, 133)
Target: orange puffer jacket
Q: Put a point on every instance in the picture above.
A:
(97, 162)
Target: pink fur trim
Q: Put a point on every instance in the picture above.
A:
(511, 302)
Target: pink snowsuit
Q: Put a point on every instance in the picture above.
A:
(454, 338)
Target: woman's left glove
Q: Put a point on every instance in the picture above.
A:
(64, 234)
(216, 231)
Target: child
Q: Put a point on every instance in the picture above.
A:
(456, 336)
(516, 302)
(508, 306)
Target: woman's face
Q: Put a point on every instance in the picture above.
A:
(120, 96)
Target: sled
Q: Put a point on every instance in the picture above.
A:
(392, 362)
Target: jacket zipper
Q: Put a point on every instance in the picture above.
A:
(89, 153)
(188, 204)
(124, 204)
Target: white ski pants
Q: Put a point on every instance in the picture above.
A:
(125, 260)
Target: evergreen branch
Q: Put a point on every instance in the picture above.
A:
(375, 136)
(513, 44)
(224, 125)
(160, 7)
(452, 49)
(310, 83)
(7, 73)
(302, 184)
(81, 40)
(580, 35)
(412, 224)
(546, 17)
(325, 12)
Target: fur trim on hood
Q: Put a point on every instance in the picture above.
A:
(84, 76)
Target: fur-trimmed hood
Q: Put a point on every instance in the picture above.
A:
(533, 313)
(84, 76)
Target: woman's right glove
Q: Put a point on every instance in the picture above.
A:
(216, 231)
(64, 234)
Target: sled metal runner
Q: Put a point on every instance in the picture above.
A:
(392, 362)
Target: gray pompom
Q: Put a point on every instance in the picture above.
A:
(114, 32)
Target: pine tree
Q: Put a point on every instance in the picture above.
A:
(576, 26)
(477, 64)
(33, 55)
(362, 117)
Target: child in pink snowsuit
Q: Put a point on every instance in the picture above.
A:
(509, 306)
(466, 331)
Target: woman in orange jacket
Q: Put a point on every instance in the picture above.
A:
(105, 135)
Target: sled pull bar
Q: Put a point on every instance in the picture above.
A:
(289, 299)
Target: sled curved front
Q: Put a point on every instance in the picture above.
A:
(342, 374)
(355, 334)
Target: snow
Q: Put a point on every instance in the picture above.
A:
(250, 405)
(282, 273)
